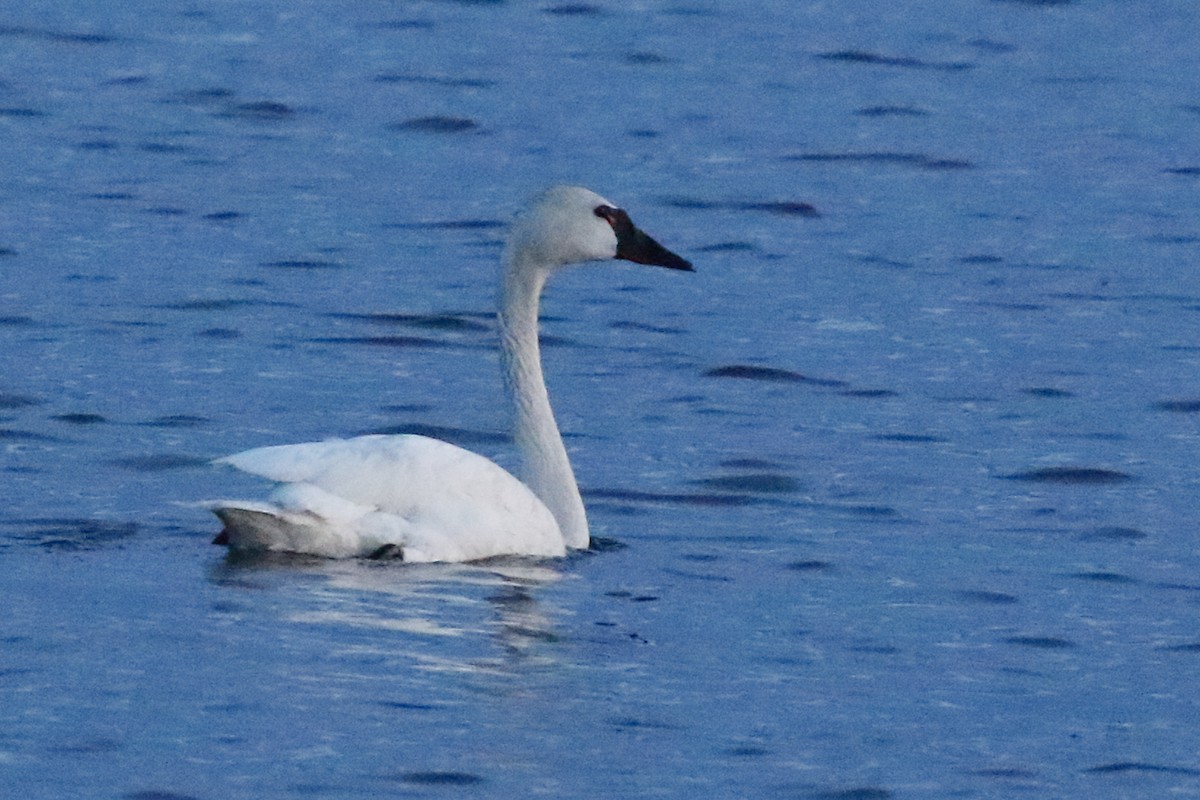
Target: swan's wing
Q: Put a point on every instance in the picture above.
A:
(435, 500)
(366, 469)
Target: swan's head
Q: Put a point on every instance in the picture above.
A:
(569, 224)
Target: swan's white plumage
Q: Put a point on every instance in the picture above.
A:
(438, 502)
(429, 500)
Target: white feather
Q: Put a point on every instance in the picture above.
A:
(437, 501)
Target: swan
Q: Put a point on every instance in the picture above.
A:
(421, 499)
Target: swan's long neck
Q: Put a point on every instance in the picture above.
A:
(547, 471)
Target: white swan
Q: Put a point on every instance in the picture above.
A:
(422, 499)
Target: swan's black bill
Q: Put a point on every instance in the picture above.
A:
(635, 246)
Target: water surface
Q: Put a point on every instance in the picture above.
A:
(896, 494)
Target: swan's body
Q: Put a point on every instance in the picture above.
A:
(422, 499)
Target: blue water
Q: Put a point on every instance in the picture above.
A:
(897, 494)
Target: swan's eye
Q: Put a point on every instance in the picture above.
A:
(613, 216)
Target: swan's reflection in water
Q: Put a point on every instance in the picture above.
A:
(483, 618)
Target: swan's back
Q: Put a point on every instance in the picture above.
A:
(419, 498)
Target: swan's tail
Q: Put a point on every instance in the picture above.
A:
(263, 528)
(250, 527)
